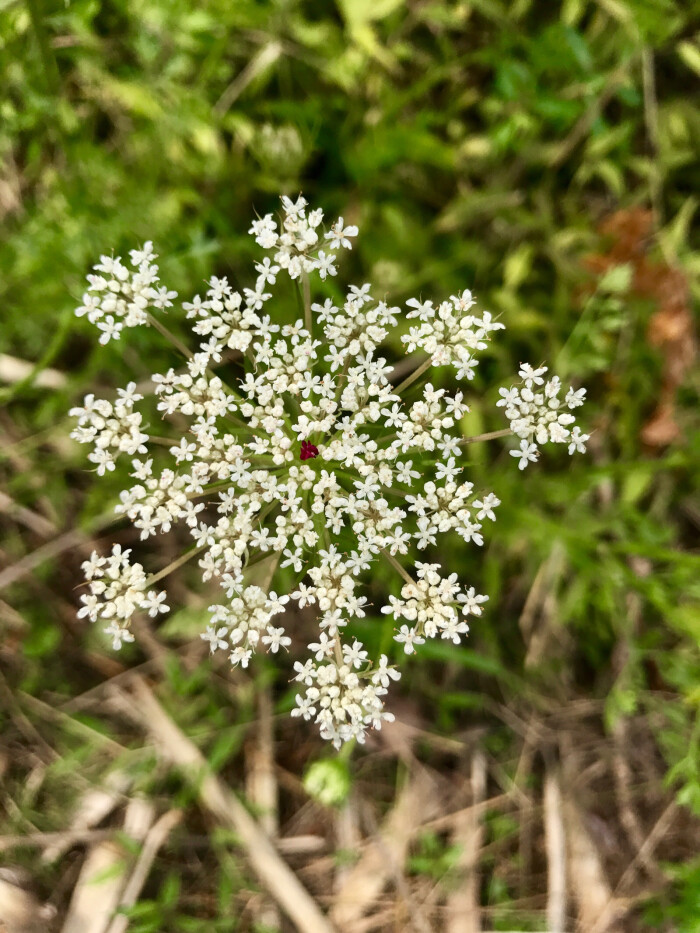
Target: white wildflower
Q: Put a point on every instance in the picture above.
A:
(527, 454)
(120, 297)
(538, 416)
(309, 460)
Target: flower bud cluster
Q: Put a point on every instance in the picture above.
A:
(537, 415)
(357, 328)
(429, 422)
(118, 589)
(226, 317)
(193, 394)
(158, 502)
(299, 450)
(120, 297)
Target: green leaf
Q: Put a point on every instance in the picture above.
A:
(169, 891)
(359, 12)
(689, 53)
(465, 657)
(675, 235)
(617, 279)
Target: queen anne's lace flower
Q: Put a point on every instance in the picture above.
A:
(537, 415)
(302, 453)
(119, 297)
(449, 334)
(112, 428)
(117, 589)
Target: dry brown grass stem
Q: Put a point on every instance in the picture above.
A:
(175, 748)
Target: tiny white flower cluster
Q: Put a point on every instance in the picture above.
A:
(301, 455)
(343, 694)
(228, 318)
(119, 297)
(240, 624)
(357, 328)
(298, 238)
(536, 415)
(112, 428)
(433, 604)
(118, 589)
(448, 333)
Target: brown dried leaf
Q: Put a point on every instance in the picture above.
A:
(671, 327)
(661, 429)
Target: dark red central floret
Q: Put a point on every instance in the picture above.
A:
(308, 451)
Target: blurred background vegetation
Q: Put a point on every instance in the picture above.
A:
(542, 154)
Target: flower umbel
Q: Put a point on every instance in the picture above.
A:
(304, 452)
(537, 414)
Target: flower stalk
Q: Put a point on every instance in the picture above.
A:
(415, 375)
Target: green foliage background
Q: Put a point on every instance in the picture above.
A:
(477, 144)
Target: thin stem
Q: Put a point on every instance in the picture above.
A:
(504, 432)
(174, 565)
(55, 345)
(341, 375)
(416, 374)
(263, 513)
(398, 568)
(338, 650)
(267, 583)
(345, 753)
(169, 335)
(256, 559)
(337, 646)
(306, 294)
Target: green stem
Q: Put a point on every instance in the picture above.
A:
(267, 583)
(416, 374)
(338, 649)
(55, 345)
(174, 565)
(345, 753)
(398, 568)
(306, 293)
(504, 432)
(257, 559)
(169, 335)
(339, 381)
